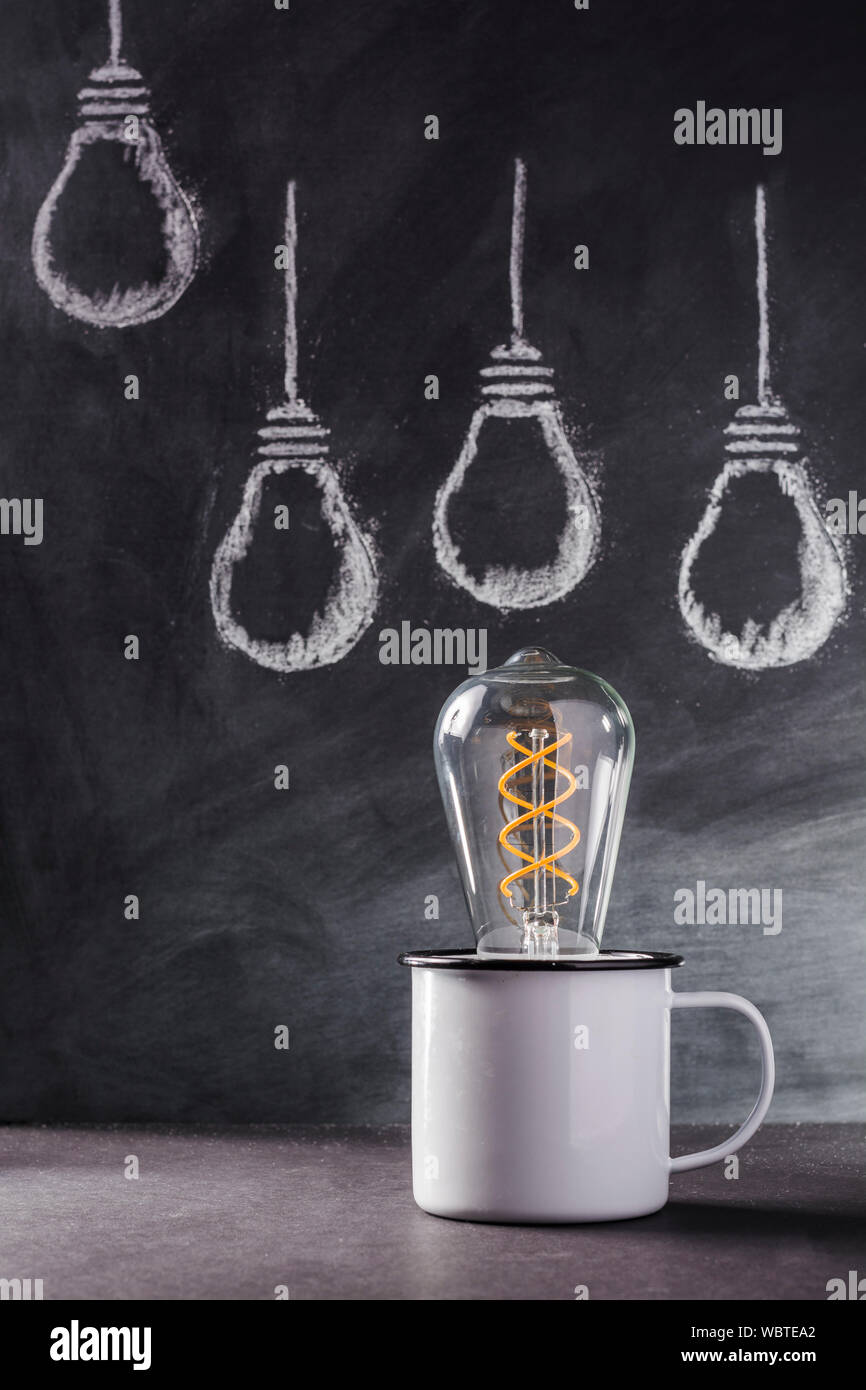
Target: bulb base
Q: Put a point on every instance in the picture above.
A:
(762, 432)
(293, 431)
(517, 372)
(114, 92)
(541, 950)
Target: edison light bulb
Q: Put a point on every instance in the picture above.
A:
(518, 388)
(761, 439)
(293, 438)
(114, 116)
(534, 761)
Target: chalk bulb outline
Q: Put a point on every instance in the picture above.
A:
(756, 433)
(117, 93)
(518, 387)
(294, 438)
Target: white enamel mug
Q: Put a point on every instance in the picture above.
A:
(541, 1090)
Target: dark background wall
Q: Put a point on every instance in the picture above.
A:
(155, 777)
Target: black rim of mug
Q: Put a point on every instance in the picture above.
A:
(466, 958)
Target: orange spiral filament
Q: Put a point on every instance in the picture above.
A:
(546, 811)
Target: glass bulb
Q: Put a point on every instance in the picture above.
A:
(518, 388)
(294, 438)
(114, 119)
(534, 762)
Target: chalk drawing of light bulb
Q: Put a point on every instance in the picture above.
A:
(761, 439)
(134, 206)
(518, 388)
(294, 439)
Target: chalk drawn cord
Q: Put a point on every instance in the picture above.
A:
(762, 285)
(515, 262)
(115, 27)
(537, 759)
(290, 339)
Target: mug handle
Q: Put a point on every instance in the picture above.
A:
(712, 999)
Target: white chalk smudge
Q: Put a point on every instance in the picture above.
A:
(762, 439)
(517, 387)
(116, 93)
(294, 438)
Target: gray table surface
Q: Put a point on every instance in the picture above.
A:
(328, 1213)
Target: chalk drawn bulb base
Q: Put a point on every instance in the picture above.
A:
(351, 603)
(506, 587)
(121, 308)
(801, 628)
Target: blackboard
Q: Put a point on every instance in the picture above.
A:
(262, 908)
